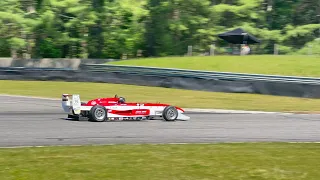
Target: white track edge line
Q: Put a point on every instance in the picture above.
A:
(30, 97)
(155, 144)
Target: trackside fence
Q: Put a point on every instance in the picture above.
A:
(210, 75)
(306, 87)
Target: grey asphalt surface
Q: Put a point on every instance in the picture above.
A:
(38, 122)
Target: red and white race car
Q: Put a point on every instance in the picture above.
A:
(116, 108)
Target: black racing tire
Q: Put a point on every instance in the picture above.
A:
(98, 114)
(74, 117)
(170, 113)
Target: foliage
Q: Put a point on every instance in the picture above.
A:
(312, 47)
(111, 28)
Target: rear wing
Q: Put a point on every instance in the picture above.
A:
(71, 102)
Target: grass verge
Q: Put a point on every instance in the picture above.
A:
(263, 64)
(250, 161)
(183, 98)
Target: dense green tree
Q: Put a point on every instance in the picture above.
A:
(174, 24)
(16, 25)
(113, 28)
(123, 27)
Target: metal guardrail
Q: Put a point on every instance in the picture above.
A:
(170, 72)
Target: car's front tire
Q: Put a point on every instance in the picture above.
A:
(98, 114)
(170, 113)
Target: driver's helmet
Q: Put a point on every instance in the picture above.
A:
(122, 100)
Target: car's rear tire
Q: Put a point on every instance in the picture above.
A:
(73, 117)
(170, 113)
(98, 114)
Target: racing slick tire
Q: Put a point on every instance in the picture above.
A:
(98, 114)
(73, 117)
(170, 113)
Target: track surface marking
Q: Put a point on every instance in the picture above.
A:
(40, 122)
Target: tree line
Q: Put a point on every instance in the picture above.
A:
(111, 28)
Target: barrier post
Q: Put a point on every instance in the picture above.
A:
(310, 49)
(275, 49)
(189, 50)
(212, 47)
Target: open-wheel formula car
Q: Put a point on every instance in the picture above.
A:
(116, 108)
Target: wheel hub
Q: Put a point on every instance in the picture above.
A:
(171, 114)
(100, 114)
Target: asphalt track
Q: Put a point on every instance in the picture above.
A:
(39, 122)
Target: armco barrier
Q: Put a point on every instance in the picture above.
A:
(174, 78)
(170, 72)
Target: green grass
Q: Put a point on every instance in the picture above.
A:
(264, 64)
(183, 98)
(249, 161)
